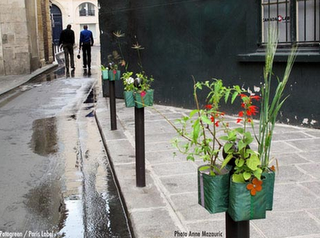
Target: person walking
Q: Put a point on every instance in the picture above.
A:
(66, 42)
(86, 41)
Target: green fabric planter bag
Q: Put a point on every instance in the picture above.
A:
(243, 206)
(269, 186)
(144, 99)
(129, 98)
(105, 74)
(114, 75)
(213, 192)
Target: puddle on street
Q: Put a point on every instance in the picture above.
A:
(44, 136)
(78, 198)
(45, 204)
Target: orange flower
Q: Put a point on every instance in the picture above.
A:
(255, 186)
(273, 168)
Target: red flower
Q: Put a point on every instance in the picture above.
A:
(222, 113)
(114, 71)
(216, 123)
(253, 110)
(249, 120)
(143, 93)
(243, 105)
(243, 95)
(256, 97)
(240, 114)
(212, 118)
(239, 120)
(209, 106)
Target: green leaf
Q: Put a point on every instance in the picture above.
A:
(226, 161)
(246, 175)
(193, 112)
(206, 120)
(238, 178)
(241, 145)
(204, 168)
(226, 96)
(234, 96)
(224, 138)
(239, 130)
(227, 147)
(239, 162)
(258, 173)
(196, 130)
(253, 162)
(190, 157)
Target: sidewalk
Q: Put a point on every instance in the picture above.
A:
(167, 206)
(10, 82)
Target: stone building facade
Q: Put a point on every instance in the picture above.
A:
(77, 13)
(26, 36)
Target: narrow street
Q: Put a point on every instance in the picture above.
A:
(54, 171)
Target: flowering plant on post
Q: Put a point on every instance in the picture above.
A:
(199, 132)
(115, 60)
(137, 91)
(256, 178)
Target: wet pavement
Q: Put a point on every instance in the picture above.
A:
(54, 158)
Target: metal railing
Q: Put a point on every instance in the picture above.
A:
(297, 21)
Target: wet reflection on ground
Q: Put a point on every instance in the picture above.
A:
(44, 137)
(69, 188)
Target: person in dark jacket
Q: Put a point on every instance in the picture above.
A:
(86, 41)
(66, 42)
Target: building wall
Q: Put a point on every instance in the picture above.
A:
(70, 15)
(205, 39)
(22, 48)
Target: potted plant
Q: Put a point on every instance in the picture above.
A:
(114, 61)
(137, 91)
(246, 197)
(252, 183)
(104, 72)
(200, 139)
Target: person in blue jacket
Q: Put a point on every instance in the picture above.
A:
(86, 41)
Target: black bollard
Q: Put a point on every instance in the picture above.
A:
(240, 229)
(113, 115)
(140, 147)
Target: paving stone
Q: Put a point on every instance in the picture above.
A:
(187, 206)
(292, 197)
(311, 169)
(306, 145)
(288, 224)
(285, 175)
(174, 168)
(180, 183)
(153, 223)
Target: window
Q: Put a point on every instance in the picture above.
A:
(86, 9)
(297, 21)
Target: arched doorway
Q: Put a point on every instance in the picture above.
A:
(57, 24)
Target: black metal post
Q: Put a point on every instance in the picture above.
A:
(113, 116)
(140, 147)
(240, 229)
(104, 87)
